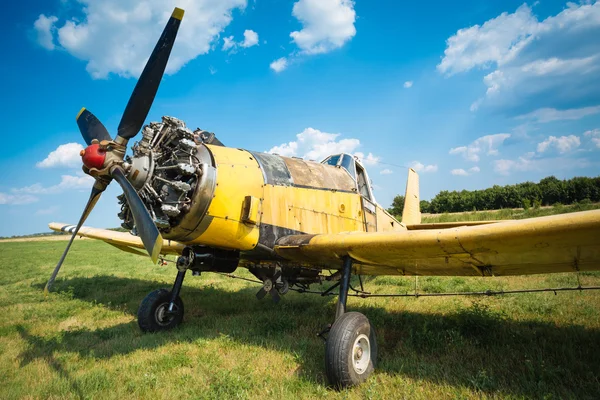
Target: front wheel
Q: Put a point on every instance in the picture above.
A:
(351, 350)
(154, 314)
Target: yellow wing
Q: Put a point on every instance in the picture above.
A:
(558, 243)
(121, 240)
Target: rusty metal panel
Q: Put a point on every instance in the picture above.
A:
(316, 175)
(275, 170)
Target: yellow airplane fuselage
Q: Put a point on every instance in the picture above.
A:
(259, 198)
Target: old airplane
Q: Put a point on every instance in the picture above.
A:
(288, 221)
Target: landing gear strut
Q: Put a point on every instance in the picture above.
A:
(351, 346)
(162, 309)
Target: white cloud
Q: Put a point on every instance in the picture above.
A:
(496, 41)
(544, 115)
(594, 136)
(386, 171)
(279, 65)
(547, 165)
(313, 144)
(462, 172)
(65, 155)
(592, 133)
(505, 167)
(524, 163)
(44, 27)
(67, 182)
(250, 38)
(486, 144)
(563, 144)
(369, 159)
(408, 84)
(326, 24)
(17, 199)
(548, 63)
(420, 167)
(117, 36)
(228, 43)
(459, 172)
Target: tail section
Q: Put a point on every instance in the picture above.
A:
(411, 215)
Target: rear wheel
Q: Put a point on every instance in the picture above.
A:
(351, 350)
(154, 314)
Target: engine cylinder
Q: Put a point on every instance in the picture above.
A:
(175, 178)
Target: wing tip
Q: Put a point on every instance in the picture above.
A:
(156, 249)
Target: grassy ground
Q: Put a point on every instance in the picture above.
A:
(509, 213)
(83, 340)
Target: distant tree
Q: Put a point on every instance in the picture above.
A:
(553, 191)
(548, 191)
(397, 206)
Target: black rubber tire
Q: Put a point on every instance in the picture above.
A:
(150, 311)
(339, 348)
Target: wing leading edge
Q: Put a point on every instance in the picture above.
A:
(122, 240)
(558, 243)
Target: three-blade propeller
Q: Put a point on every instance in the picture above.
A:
(103, 158)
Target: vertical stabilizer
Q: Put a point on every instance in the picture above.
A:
(411, 215)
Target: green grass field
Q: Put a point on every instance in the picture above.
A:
(83, 340)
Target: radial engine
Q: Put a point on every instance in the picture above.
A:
(174, 174)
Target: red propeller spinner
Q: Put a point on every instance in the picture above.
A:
(93, 156)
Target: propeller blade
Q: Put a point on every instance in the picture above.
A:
(261, 294)
(275, 296)
(91, 127)
(94, 196)
(146, 229)
(147, 85)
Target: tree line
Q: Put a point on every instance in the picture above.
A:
(548, 191)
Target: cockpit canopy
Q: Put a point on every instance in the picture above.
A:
(355, 169)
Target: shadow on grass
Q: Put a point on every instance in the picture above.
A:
(472, 347)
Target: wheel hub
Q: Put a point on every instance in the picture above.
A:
(361, 354)
(162, 315)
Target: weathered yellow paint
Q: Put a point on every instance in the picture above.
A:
(411, 214)
(251, 210)
(387, 223)
(238, 176)
(311, 210)
(558, 243)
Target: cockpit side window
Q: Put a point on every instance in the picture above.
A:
(363, 184)
(345, 161)
(332, 160)
(348, 163)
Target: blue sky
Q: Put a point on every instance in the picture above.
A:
(471, 94)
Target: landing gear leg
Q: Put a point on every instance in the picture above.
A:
(351, 347)
(176, 289)
(162, 309)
